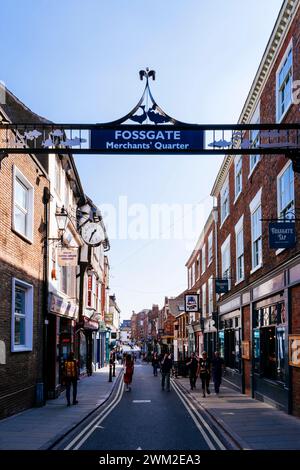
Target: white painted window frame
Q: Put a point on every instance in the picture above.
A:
(226, 246)
(279, 176)
(210, 248)
(203, 259)
(225, 188)
(28, 316)
(254, 120)
(238, 159)
(239, 227)
(279, 118)
(17, 174)
(254, 205)
(204, 303)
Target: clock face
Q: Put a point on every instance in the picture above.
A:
(92, 233)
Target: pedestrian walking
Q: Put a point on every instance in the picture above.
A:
(217, 370)
(192, 364)
(155, 364)
(128, 371)
(204, 372)
(70, 378)
(165, 368)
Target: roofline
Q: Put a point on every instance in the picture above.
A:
(277, 37)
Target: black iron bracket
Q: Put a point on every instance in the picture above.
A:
(3, 154)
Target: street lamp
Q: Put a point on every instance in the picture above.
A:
(61, 216)
(61, 219)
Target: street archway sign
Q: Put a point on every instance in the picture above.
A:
(147, 129)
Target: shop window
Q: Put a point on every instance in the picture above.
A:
(232, 349)
(256, 350)
(221, 343)
(237, 351)
(268, 353)
(269, 341)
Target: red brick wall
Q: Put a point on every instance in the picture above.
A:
(209, 270)
(20, 259)
(296, 331)
(247, 337)
(265, 176)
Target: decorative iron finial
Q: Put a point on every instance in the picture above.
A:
(147, 73)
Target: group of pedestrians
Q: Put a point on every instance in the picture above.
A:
(203, 367)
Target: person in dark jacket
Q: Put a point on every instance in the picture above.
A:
(165, 368)
(155, 364)
(204, 372)
(70, 377)
(217, 370)
(193, 368)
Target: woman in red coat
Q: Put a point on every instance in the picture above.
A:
(128, 371)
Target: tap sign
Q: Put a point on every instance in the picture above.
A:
(154, 139)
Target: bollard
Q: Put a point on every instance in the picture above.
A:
(110, 375)
(114, 369)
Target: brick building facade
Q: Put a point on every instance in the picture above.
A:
(23, 183)
(201, 271)
(259, 312)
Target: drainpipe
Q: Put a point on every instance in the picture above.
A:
(46, 200)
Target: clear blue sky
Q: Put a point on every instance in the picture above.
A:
(78, 61)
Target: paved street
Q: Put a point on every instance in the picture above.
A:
(147, 418)
(40, 428)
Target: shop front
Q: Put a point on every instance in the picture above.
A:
(270, 361)
(60, 340)
(210, 337)
(101, 343)
(229, 345)
(87, 330)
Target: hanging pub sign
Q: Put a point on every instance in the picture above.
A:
(147, 139)
(221, 286)
(191, 302)
(282, 235)
(67, 257)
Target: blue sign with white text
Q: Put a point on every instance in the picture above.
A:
(282, 235)
(154, 140)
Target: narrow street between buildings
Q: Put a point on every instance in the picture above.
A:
(146, 417)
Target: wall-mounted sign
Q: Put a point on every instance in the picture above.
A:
(294, 350)
(246, 349)
(153, 139)
(61, 307)
(191, 302)
(221, 286)
(67, 257)
(282, 235)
